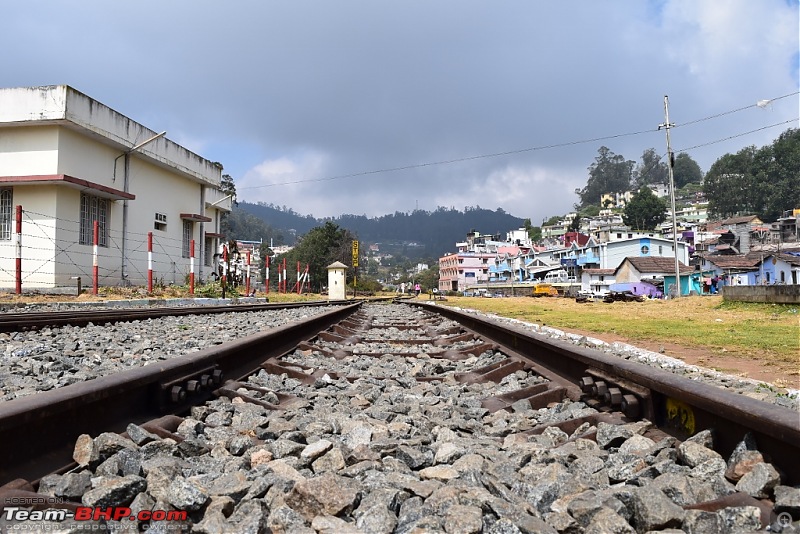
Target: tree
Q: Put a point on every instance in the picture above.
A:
(728, 184)
(783, 175)
(227, 187)
(686, 171)
(651, 170)
(575, 224)
(534, 232)
(645, 211)
(609, 173)
(241, 225)
(429, 278)
(320, 247)
(756, 181)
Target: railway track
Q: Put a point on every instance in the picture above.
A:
(390, 418)
(16, 322)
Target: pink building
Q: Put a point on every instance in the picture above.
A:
(463, 270)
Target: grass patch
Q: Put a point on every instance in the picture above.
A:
(740, 329)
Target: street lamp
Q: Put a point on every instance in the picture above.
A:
(125, 183)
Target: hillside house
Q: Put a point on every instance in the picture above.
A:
(69, 161)
(658, 271)
(598, 281)
(461, 270)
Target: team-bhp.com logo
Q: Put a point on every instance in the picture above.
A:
(87, 513)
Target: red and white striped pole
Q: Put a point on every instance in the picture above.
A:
(247, 275)
(191, 267)
(224, 264)
(18, 247)
(95, 241)
(266, 277)
(285, 285)
(149, 262)
(299, 283)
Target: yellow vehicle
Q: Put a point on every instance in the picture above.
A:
(544, 290)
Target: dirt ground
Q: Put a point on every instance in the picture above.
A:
(764, 370)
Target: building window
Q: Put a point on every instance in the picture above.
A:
(188, 227)
(160, 222)
(94, 209)
(209, 251)
(6, 211)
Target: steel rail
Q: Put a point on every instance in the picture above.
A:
(676, 404)
(14, 322)
(38, 432)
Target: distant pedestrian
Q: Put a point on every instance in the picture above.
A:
(417, 289)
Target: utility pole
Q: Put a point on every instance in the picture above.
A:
(125, 187)
(670, 159)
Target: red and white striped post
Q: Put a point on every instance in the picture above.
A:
(149, 262)
(285, 285)
(18, 247)
(299, 281)
(266, 277)
(95, 241)
(224, 264)
(247, 275)
(191, 267)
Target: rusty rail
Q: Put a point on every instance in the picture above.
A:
(677, 405)
(38, 433)
(13, 322)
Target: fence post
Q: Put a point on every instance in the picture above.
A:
(95, 240)
(191, 267)
(18, 236)
(266, 275)
(149, 262)
(247, 276)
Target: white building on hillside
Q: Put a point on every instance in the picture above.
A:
(68, 161)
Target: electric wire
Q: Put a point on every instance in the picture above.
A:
(538, 148)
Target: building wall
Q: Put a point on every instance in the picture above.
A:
(29, 151)
(85, 158)
(39, 231)
(455, 270)
(776, 294)
(57, 131)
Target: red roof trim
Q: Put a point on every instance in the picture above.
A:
(70, 181)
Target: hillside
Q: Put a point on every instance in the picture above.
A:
(419, 234)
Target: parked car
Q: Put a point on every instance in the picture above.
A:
(624, 296)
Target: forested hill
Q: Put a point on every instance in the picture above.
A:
(418, 234)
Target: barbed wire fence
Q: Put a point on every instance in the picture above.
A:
(46, 251)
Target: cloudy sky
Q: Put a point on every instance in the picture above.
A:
(371, 107)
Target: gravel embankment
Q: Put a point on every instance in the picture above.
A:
(55, 357)
(388, 454)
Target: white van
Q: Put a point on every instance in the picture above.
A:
(555, 277)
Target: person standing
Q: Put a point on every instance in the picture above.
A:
(417, 288)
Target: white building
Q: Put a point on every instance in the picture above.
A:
(68, 161)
